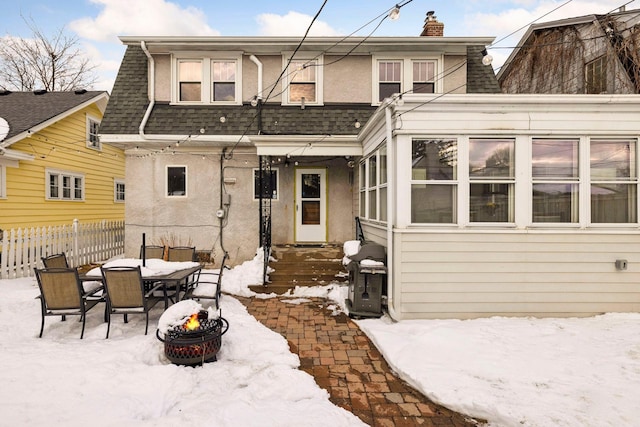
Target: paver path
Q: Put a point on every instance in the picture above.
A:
(344, 362)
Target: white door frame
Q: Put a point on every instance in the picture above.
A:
(314, 206)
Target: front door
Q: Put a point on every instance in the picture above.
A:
(311, 205)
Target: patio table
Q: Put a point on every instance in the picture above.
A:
(171, 274)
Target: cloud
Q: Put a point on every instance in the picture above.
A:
(137, 17)
(292, 24)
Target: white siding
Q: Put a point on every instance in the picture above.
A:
(464, 274)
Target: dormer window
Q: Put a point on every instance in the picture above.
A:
(190, 81)
(303, 82)
(397, 75)
(208, 80)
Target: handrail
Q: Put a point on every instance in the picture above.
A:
(359, 231)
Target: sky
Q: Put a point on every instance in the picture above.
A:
(98, 23)
(513, 372)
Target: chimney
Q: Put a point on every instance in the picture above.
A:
(432, 28)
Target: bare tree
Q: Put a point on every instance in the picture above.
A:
(52, 63)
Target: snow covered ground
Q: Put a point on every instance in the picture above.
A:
(512, 372)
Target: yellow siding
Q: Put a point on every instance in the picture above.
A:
(62, 146)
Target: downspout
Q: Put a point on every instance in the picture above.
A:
(256, 61)
(151, 89)
(391, 165)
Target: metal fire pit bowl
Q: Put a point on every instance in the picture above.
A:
(194, 347)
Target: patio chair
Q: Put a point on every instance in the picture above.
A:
(126, 294)
(55, 261)
(209, 278)
(152, 252)
(61, 294)
(181, 253)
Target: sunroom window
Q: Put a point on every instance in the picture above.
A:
(555, 176)
(434, 181)
(614, 181)
(491, 180)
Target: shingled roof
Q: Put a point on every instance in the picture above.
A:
(129, 102)
(27, 110)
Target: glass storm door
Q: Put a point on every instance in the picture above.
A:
(311, 205)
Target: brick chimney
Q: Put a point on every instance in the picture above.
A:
(432, 28)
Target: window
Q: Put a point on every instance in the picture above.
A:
(176, 181)
(614, 181)
(596, 76)
(424, 76)
(491, 180)
(373, 186)
(118, 190)
(389, 78)
(190, 80)
(434, 182)
(93, 141)
(223, 84)
(64, 185)
(269, 184)
(556, 180)
(399, 75)
(302, 83)
(208, 79)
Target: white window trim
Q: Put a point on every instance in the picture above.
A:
(365, 187)
(523, 184)
(253, 186)
(206, 85)
(89, 119)
(3, 181)
(166, 182)
(319, 67)
(61, 174)
(116, 182)
(407, 72)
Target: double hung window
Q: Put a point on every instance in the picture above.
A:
(434, 180)
(491, 180)
(373, 185)
(403, 75)
(614, 181)
(207, 80)
(389, 78)
(302, 81)
(424, 73)
(93, 141)
(64, 185)
(555, 180)
(596, 76)
(118, 190)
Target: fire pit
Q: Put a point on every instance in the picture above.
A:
(195, 342)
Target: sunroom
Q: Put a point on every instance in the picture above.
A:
(510, 205)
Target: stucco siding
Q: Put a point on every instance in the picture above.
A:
(347, 79)
(515, 273)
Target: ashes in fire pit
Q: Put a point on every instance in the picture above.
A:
(196, 341)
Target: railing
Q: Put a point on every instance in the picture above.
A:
(21, 249)
(359, 231)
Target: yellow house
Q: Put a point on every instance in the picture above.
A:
(53, 167)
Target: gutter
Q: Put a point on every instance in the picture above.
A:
(152, 86)
(391, 165)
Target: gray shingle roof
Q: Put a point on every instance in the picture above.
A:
(24, 110)
(128, 103)
(480, 78)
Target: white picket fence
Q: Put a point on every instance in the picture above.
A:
(21, 249)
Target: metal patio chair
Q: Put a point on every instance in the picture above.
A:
(61, 294)
(152, 252)
(181, 253)
(125, 294)
(55, 261)
(209, 278)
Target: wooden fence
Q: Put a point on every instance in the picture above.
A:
(21, 250)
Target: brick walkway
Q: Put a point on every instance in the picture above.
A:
(346, 364)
